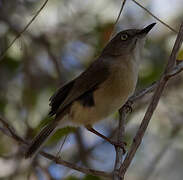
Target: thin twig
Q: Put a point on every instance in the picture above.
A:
(122, 6)
(172, 29)
(138, 95)
(23, 30)
(62, 145)
(117, 19)
(153, 104)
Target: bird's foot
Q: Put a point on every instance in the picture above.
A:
(128, 106)
(119, 144)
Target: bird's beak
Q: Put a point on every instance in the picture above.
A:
(144, 31)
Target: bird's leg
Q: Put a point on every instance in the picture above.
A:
(116, 144)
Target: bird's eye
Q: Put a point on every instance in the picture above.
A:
(124, 37)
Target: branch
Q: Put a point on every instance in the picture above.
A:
(138, 95)
(176, 70)
(12, 133)
(120, 139)
(117, 19)
(153, 104)
(143, 92)
(122, 7)
(23, 30)
(172, 29)
(58, 160)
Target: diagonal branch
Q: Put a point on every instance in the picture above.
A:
(153, 104)
(75, 167)
(23, 30)
(172, 29)
(138, 95)
(12, 133)
(117, 19)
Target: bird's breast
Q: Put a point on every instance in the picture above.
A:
(108, 97)
(115, 91)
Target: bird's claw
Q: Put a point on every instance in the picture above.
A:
(128, 106)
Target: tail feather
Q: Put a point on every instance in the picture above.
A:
(40, 139)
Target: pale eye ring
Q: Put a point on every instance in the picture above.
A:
(124, 37)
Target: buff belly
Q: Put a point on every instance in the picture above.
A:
(108, 98)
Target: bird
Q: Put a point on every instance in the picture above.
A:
(100, 90)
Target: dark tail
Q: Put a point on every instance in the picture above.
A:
(40, 139)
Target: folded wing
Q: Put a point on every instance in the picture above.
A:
(90, 79)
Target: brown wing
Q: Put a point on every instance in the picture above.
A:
(87, 81)
(59, 96)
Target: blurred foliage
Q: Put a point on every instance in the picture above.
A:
(87, 177)
(180, 55)
(60, 133)
(72, 178)
(90, 177)
(61, 43)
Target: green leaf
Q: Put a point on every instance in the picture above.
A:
(44, 122)
(60, 133)
(10, 63)
(29, 97)
(180, 55)
(2, 105)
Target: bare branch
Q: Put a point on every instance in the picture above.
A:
(122, 7)
(117, 19)
(11, 131)
(17, 138)
(153, 104)
(23, 30)
(143, 92)
(172, 29)
(75, 167)
(120, 138)
(138, 95)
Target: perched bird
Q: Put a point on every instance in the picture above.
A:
(100, 90)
